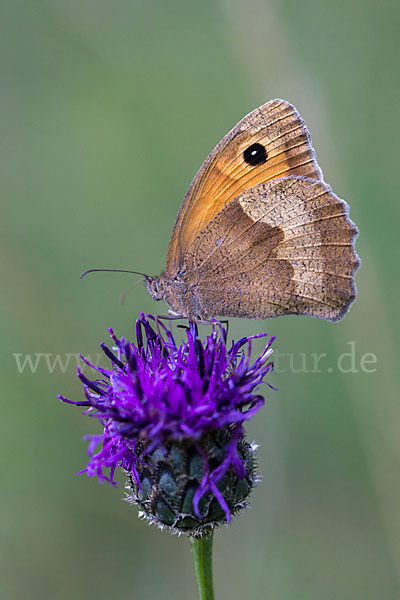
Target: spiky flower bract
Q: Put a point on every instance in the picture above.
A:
(172, 417)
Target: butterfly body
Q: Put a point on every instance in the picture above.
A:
(259, 233)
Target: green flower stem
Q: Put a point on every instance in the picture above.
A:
(202, 556)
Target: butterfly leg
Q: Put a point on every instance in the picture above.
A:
(171, 316)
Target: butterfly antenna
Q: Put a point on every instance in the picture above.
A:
(147, 277)
(128, 289)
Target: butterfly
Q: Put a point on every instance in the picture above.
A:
(259, 233)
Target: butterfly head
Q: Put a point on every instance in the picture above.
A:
(156, 287)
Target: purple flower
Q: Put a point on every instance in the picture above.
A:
(172, 417)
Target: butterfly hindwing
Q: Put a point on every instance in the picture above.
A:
(281, 247)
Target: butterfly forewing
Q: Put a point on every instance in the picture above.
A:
(270, 142)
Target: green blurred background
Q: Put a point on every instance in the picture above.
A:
(107, 111)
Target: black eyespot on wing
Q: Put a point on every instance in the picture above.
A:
(255, 155)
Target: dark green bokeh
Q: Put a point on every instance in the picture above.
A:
(107, 111)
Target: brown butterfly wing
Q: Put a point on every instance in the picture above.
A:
(275, 127)
(283, 247)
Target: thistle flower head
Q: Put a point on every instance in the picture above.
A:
(172, 418)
